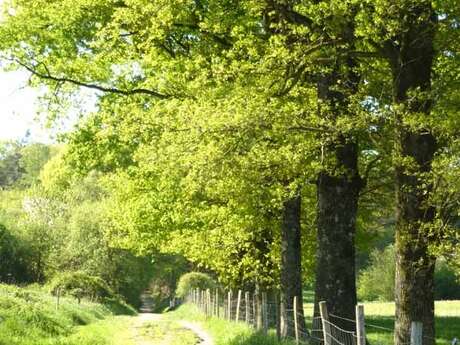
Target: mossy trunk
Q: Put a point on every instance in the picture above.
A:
(411, 61)
(336, 227)
(291, 270)
(338, 189)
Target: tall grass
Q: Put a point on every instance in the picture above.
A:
(30, 316)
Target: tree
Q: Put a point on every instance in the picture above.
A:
(406, 38)
(10, 169)
(33, 157)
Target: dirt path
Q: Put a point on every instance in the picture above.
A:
(138, 327)
(141, 323)
(141, 337)
(205, 338)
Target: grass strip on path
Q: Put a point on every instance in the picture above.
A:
(224, 332)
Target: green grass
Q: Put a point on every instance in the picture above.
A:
(110, 331)
(224, 332)
(29, 316)
(381, 314)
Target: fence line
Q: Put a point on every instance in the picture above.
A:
(263, 312)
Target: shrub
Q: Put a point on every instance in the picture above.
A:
(13, 267)
(377, 281)
(81, 285)
(446, 282)
(194, 280)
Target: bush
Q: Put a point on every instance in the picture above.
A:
(81, 285)
(446, 282)
(194, 280)
(13, 262)
(377, 281)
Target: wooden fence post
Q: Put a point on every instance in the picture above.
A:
(296, 322)
(264, 312)
(247, 307)
(325, 322)
(58, 296)
(217, 303)
(278, 315)
(416, 333)
(238, 305)
(360, 325)
(229, 306)
(254, 310)
(203, 301)
(259, 316)
(208, 303)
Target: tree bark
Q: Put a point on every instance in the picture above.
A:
(338, 188)
(336, 218)
(411, 61)
(291, 270)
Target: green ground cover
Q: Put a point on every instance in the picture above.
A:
(114, 330)
(30, 316)
(381, 314)
(224, 332)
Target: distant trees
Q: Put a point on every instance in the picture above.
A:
(21, 163)
(55, 222)
(10, 168)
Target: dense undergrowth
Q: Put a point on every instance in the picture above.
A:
(30, 316)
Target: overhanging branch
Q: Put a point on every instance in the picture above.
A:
(49, 76)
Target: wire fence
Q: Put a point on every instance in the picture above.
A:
(264, 312)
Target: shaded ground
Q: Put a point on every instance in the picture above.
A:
(147, 303)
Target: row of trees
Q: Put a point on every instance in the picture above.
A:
(237, 133)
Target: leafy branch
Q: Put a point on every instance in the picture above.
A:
(48, 76)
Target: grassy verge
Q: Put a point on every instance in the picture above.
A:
(29, 316)
(222, 331)
(381, 314)
(110, 331)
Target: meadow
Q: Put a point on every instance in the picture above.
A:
(379, 317)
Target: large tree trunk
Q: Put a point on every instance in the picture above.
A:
(338, 188)
(291, 272)
(336, 217)
(411, 61)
